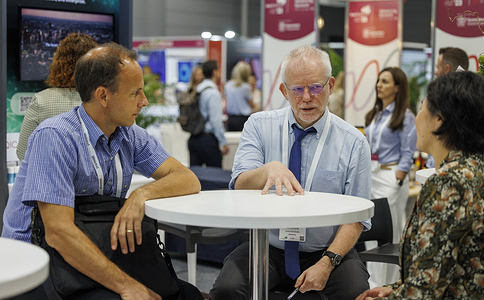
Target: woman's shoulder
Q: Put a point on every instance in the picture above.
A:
(58, 95)
(460, 169)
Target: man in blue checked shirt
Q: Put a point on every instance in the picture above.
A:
(334, 157)
(58, 167)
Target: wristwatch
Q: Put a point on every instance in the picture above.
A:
(335, 258)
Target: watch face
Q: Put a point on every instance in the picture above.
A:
(336, 260)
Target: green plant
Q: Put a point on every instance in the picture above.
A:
(336, 60)
(481, 65)
(154, 92)
(415, 85)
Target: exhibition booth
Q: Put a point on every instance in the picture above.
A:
(32, 30)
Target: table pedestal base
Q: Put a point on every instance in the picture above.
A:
(259, 260)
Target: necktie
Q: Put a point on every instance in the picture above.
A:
(291, 248)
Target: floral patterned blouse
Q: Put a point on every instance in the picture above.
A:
(442, 249)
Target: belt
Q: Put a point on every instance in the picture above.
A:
(387, 166)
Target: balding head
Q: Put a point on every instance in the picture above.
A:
(101, 67)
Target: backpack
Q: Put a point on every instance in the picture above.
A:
(190, 118)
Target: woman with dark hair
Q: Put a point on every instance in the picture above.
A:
(390, 131)
(442, 253)
(61, 96)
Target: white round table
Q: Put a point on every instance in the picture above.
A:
(23, 266)
(421, 176)
(249, 209)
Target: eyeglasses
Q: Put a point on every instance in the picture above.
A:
(314, 89)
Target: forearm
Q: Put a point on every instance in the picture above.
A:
(252, 180)
(346, 238)
(79, 252)
(177, 183)
(172, 179)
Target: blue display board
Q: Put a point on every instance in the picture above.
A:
(184, 71)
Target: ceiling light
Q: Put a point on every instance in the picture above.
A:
(229, 34)
(206, 34)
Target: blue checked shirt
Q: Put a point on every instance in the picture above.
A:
(57, 166)
(344, 166)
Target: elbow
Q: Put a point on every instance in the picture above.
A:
(195, 186)
(55, 237)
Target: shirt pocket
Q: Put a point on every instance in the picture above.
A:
(328, 182)
(86, 187)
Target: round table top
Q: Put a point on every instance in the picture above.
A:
(422, 175)
(249, 209)
(23, 266)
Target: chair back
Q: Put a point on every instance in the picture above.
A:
(381, 224)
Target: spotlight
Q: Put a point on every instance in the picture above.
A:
(206, 34)
(320, 22)
(229, 34)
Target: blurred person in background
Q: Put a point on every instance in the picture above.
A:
(209, 146)
(196, 78)
(389, 129)
(61, 96)
(238, 93)
(449, 61)
(256, 93)
(450, 58)
(441, 251)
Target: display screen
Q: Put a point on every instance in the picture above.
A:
(41, 31)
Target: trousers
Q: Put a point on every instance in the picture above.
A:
(204, 149)
(347, 281)
(187, 291)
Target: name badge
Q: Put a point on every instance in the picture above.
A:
(292, 234)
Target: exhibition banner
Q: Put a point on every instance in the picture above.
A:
(459, 23)
(373, 42)
(217, 50)
(287, 25)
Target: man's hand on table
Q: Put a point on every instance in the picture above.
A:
(127, 225)
(279, 175)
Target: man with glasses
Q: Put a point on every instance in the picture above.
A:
(302, 147)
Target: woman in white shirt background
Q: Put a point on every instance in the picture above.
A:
(238, 93)
(390, 131)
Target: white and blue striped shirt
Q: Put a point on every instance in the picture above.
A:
(57, 166)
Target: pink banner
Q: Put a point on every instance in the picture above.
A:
(374, 23)
(289, 20)
(461, 18)
(460, 23)
(288, 24)
(373, 42)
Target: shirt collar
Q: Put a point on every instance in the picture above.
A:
(95, 133)
(453, 155)
(390, 107)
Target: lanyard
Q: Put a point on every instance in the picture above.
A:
(372, 129)
(97, 166)
(319, 150)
